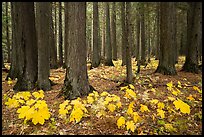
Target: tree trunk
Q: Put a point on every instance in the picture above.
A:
(167, 48)
(113, 32)
(42, 19)
(13, 72)
(60, 35)
(95, 58)
(108, 60)
(103, 35)
(7, 34)
(53, 47)
(143, 45)
(128, 52)
(66, 32)
(28, 42)
(193, 37)
(123, 35)
(76, 79)
(158, 32)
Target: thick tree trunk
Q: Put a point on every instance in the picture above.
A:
(60, 35)
(108, 60)
(42, 19)
(128, 51)
(166, 60)
(28, 42)
(103, 35)
(193, 37)
(123, 35)
(76, 79)
(95, 58)
(113, 32)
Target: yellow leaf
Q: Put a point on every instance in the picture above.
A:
(136, 117)
(179, 84)
(38, 95)
(30, 102)
(90, 99)
(184, 108)
(129, 111)
(160, 113)
(120, 121)
(37, 118)
(63, 111)
(197, 89)
(190, 97)
(169, 86)
(143, 108)
(131, 93)
(124, 88)
(111, 107)
(22, 111)
(131, 86)
(169, 127)
(153, 89)
(119, 104)
(12, 103)
(130, 125)
(76, 115)
(160, 105)
(154, 101)
(171, 98)
(104, 93)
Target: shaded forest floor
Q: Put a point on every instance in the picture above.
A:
(148, 86)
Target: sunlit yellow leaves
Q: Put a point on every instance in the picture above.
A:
(63, 111)
(144, 108)
(104, 93)
(160, 113)
(38, 95)
(136, 117)
(22, 111)
(130, 125)
(170, 128)
(184, 108)
(190, 97)
(175, 92)
(76, 115)
(160, 105)
(124, 88)
(197, 89)
(90, 100)
(131, 86)
(121, 122)
(111, 107)
(154, 101)
(129, 111)
(30, 102)
(171, 98)
(179, 84)
(37, 118)
(12, 103)
(169, 86)
(130, 94)
(119, 104)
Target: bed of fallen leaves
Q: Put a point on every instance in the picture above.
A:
(148, 86)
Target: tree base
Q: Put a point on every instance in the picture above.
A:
(165, 70)
(45, 86)
(23, 85)
(109, 63)
(190, 67)
(69, 94)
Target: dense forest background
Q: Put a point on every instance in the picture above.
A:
(82, 49)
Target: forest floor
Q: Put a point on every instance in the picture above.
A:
(147, 86)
